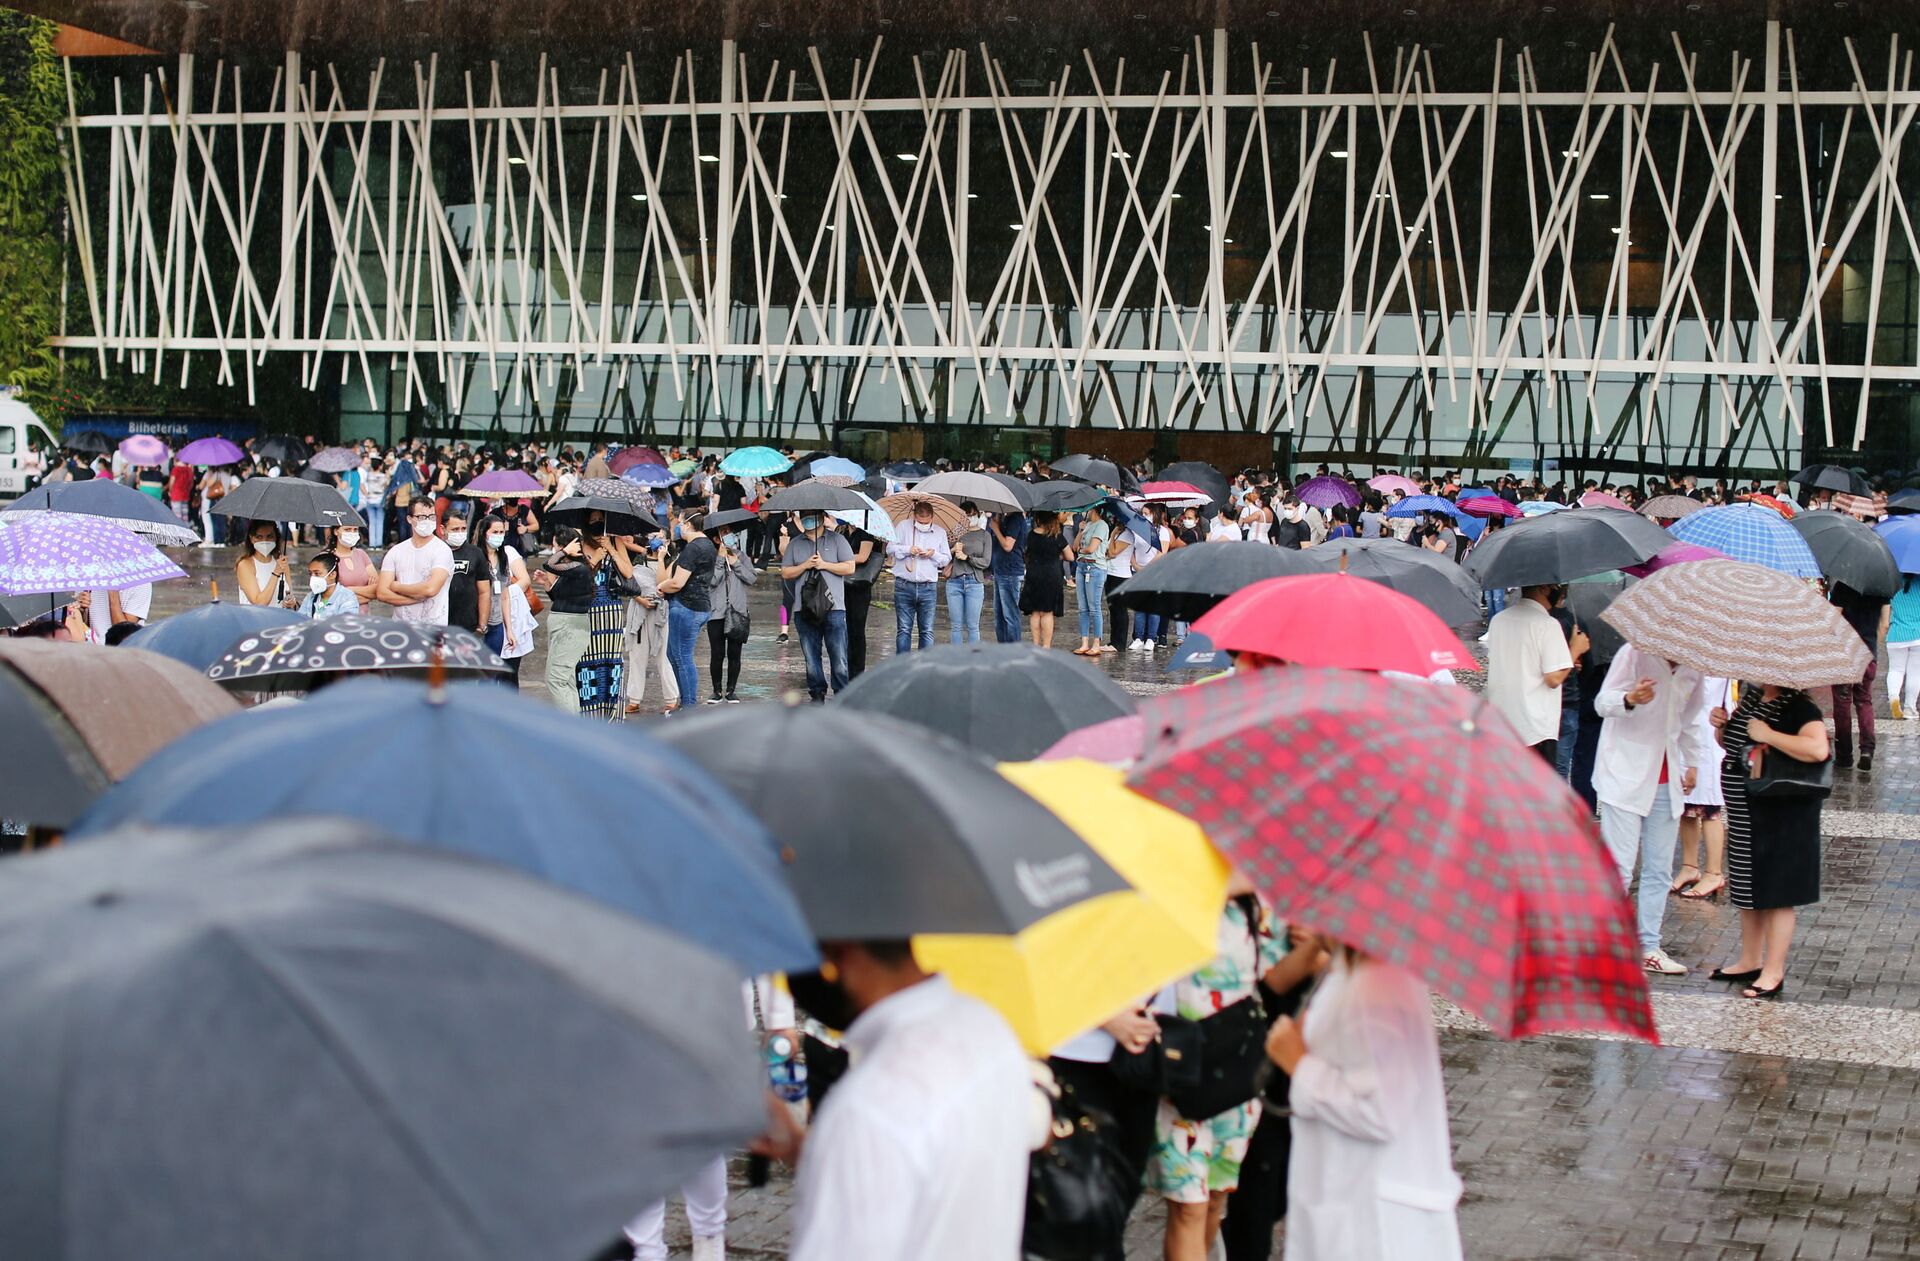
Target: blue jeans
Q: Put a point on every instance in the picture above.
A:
(1496, 601)
(496, 639)
(834, 635)
(1649, 838)
(683, 628)
(913, 603)
(1146, 626)
(1569, 734)
(376, 515)
(966, 595)
(1093, 603)
(1006, 607)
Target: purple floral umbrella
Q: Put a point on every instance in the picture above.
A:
(143, 449)
(58, 551)
(212, 452)
(1328, 492)
(506, 483)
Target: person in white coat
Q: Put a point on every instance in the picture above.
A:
(1649, 758)
(1371, 1173)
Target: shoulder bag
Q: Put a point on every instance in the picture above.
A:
(1077, 1184)
(1772, 774)
(739, 627)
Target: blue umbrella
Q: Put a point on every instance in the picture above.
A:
(1414, 505)
(872, 519)
(651, 476)
(1540, 507)
(1134, 522)
(1902, 534)
(202, 636)
(1752, 533)
(610, 815)
(1196, 652)
(755, 462)
(837, 466)
(1477, 492)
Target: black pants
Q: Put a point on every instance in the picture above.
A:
(1261, 1200)
(859, 604)
(1133, 1113)
(725, 652)
(1549, 751)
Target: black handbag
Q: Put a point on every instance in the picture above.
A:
(739, 626)
(1771, 773)
(1233, 1056)
(1170, 1062)
(1077, 1201)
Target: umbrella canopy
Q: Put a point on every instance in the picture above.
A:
(1414, 505)
(1562, 546)
(75, 718)
(1601, 499)
(1673, 554)
(732, 516)
(1134, 522)
(212, 452)
(58, 551)
(1540, 507)
(946, 513)
(627, 457)
(1115, 742)
(623, 513)
(1098, 472)
(672, 847)
(1387, 483)
(870, 520)
(1903, 501)
(143, 450)
(1489, 506)
(1901, 534)
(682, 467)
(1188, 581)
(976, 488)
(812, 496)
(1670, 507)
(1196, 652)
(87, 442)
(1588, 598)
(1432, 579)
(308, 653)
(335, 460)
(650, 476)
(1001, 700)
(199, 637)
(1018, 489)
(755, 462)
(1832, 477)
(1327, 492)
(1064, 495)
(289, 499)
(908, 470)
(1750, 533)
(889, 830)
(506, 483)
(1786, 510)
(1199, 473)
(109, 500)
(837, 466)
(1475, 492)
(1735, 620)
(1476, 870)
(1180, 494)
(1849, 551)
(1335, 620)
(325, 1044)
(281, 447)
(18, 610)
(1070, 971)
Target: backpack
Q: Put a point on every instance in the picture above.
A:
(816, 601)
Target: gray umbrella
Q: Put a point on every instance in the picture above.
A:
(1850, 551)
(1429, 577)
(335, 460)
(1018, 489)
(1587, 599)
(891, 829)
(1188, 581)
(18, 610)
(306, 1043)
(1087, 468)
(1832, 477)
(814, 496)
(291, 499)
(977, 488)
(1009, 702)
(1203, 475)
(1562, 546)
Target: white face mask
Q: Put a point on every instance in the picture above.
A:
(262, 547)
(978, 522)
(422, 529)
(496, 540)
(349, 538)
(317, 584)
(456, 538)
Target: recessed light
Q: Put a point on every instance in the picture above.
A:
(1122, 154)
(1779, 196)
(1569, 153)
(639, 196)
(1226, 240)
(973, 196)
(516, 160)
(1615, 231)
(782, 196)
(1174, 196)
(709, 157)
(1016, 226)
(1599, 196)
(1339, 153)
(908, 157)
(829, 227)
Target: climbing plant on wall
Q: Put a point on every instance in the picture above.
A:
(32, 197)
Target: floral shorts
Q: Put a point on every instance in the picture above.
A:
(1701, 812)
(1193, 1159)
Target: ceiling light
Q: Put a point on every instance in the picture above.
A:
(1599, 196)
(1569, 153)
(1015, 226)
(1339, 153)
(782, 196)
(1122, 154)
(709, 157)
(1615, 231)
(516, 160)
(908, 157)
(639, 196)
(1226, 240)
(1779, 196)
(1174, 196)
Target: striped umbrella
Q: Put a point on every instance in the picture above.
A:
(1750, 533)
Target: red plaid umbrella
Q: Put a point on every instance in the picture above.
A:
(1334, 620)
(1408, 821)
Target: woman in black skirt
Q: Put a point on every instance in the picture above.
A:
(1773, 843)
(1043, 597)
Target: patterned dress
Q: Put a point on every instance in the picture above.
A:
(1192, 1159)
(600, 672)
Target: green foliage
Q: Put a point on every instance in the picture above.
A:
(32, 201)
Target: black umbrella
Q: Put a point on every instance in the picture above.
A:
(908, 470)
(1561, 546)
(1200, 474)
(318, 476)
(88, 442)
(1087, 468)
(1434, 580)
(1832, 477)
(290, 499)
(813, 496)
(282, 447)
(622, 515)
(732, 516)
(1903, 501)
(1850, 551)
(18, 610)
(303, 1042)
(1018, 489)
(1064, 495)
(108, 499)
(1188, 581)
(1587, 599)
(891, 829)
(1010, 702)
(308, 653)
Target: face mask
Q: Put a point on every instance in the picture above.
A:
(456, 538)
(422, 529)
(733, 542)
(317, 584)
(809, 523)
(349, 538)
(1293, 513)
(496, 540)
(978, 521)
(262, 547)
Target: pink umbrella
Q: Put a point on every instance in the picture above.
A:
(1601, 499)
(1115, 742)
(1172, 493)
(143, 449)
(1488, 506)
(1674, 554)
(1387, 483)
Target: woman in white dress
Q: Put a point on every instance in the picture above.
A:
(1371, 1173)
(1257, 519)
(1703, 828)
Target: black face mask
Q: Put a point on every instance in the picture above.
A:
(824, 1000)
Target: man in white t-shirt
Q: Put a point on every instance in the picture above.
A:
(106, 608)
(413, 577)
(1528, 658)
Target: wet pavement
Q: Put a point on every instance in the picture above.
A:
(1758, 1132)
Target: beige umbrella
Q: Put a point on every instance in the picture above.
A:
(900, 507)
(1734, 620)
(1670, 507)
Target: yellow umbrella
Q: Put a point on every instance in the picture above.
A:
(1093, 960)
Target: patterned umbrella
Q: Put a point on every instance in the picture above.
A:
(627, 457)
(59, 551)
(1326, 492)
(755, 462)
(1670, 507)
(1676, 554)
(1734, 620)
(871, 519)
(211, 452)
(506, 483)
(296, 658)
(143, 450)
(1471, 864)
(648, 476)
(1489, 506)
(1387, 483)
(1750, 533)
(900, 507)
(110, 501)
(335, 460)
(614, 488)
(1601, 499)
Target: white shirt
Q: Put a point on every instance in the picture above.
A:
(911, 535)
(921, 1150)
(1223, 529)
(410, 562)
(1524, 645)
(134, 602)
(1634, 743)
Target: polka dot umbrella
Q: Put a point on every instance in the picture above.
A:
(307, 655)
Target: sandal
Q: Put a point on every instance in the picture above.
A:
(1721, 974)
(1754, 991)
(1681, 882)
(1702, 892)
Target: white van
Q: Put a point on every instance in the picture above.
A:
(25, 446)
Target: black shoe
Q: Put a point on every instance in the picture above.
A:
(1755, 992)
(1721, 974)
(732, 699)
(782, 639)
(715, 699)
(1865, 763)
(1843, 763)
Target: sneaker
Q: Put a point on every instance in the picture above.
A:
(1865, 763)
(715, 699)
(1661, 962)
(1843, 761)
(783, 638)
(709, 1248)
(732, 699)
